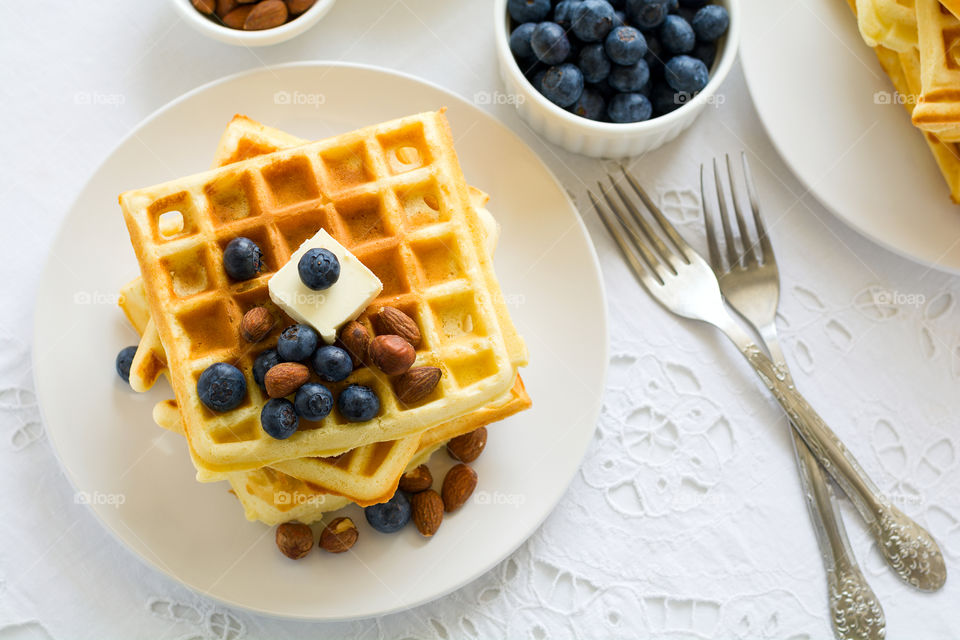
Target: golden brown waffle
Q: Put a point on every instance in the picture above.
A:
(406, 215)
(243, 139)
(938, 105)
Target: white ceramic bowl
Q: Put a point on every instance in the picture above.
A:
(606, 139)
(284, 32)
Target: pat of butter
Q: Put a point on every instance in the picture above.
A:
(327, 310)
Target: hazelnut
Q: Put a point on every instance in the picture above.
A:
(416, 480)
(339, 535)
(294, 539)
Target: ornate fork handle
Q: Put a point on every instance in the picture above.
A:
(907, 546)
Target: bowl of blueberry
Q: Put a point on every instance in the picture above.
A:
(614, 78)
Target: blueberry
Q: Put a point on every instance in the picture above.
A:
(528, 10)
(221, 387)
(390, 516)
(549, 43)
(242, 259)
(263, 363)
(358, 403)
(711, 22)
(590, 105)
(124, 360)
(563, 12)
(625, 45)
(647, 14)
(629, 78)
(520, 41)
(279, 418)
(655, 57)
(665, 99)
(706, 51)
(677, 35)
(594, 64)
(563, 84)
(537, 80)
(629, 107)
(332, 364)
(593, 20)
(319, 269)
(687, 74)
(313, 401)
(297, 342)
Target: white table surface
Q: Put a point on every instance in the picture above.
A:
(686, 519)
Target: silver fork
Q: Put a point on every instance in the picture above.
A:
(750, 283)
(681, 280)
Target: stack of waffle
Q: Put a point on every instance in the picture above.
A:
(918, 45)
(393, 194)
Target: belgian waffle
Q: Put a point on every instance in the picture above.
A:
(938, 105)
(393, 194)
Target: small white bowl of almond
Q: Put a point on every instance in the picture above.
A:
(252, 23)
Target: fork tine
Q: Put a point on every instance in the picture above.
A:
(716, 258)
(745, 242)
(681, 245)
(766, 248)
(658, 257)
(647, 277)
(728, 238)
(666, 254)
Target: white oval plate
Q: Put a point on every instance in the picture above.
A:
(138, 478)
(826, 104)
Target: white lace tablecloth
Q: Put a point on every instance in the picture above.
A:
(686, 519)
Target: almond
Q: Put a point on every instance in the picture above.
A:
(294, 539)
(469, 446)
(226, 6)
(395, 322)
(296, 7)
(256, 324)
(427, 512)
(285, 378)
(339, 535)
(416, 480)
(205, 7)
(237, 17)
(266, 15)
(458, 486)
(416, 384)
(391, 354)
(356, 340)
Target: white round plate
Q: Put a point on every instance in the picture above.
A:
(138, 478)
(831, 112)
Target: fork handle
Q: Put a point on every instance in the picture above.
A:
(907, 547)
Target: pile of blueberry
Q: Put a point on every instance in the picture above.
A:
(617, 60)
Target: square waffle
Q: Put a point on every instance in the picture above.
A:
(393, 194)
(365, 474)
(938, 105)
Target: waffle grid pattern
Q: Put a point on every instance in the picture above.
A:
(392, 195)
